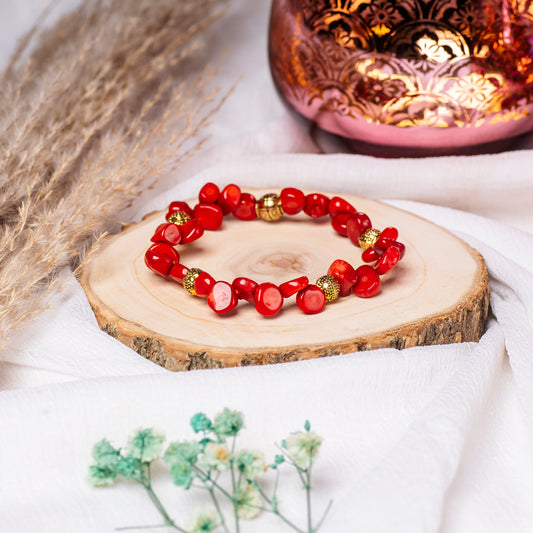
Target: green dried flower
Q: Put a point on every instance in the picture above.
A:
(104, 455)
(303, 447)
(182, 451)
(204, 442)
(204, 521)
(278, 459)
(200, 422)
(216, 457)
(228, 423)
(251, 463)
(249, 502)
(145, 445)
(129, 467)
(100, 476)
(182, 474)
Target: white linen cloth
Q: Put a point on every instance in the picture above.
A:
(429, 439)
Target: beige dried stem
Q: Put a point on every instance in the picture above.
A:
(90, 117)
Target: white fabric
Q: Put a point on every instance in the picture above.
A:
(429, 439)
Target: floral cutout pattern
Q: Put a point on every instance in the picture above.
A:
(440, 63)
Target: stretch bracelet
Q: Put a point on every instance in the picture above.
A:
(185, 224)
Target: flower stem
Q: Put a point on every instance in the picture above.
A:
(321, 521)
(274, 509)
(287, 521)
(234, 497)
(159, 506)
(217, 506)
(206, 479)
(308, 494)
(275, 493)
(300, 475)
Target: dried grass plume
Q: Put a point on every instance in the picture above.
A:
(92, 113)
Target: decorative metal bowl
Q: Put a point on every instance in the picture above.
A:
(435, 76)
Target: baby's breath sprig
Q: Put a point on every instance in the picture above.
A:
(301, 449)
(132, 463)
(212, 462)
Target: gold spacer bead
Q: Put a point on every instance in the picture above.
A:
(179, 218)
(368, 238)
(330, 286)
(268, 207)
(190, 278)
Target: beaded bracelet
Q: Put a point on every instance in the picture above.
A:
(185, 225)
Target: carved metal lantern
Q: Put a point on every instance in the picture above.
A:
(432, 76)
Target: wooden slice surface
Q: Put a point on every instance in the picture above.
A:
(437, 294)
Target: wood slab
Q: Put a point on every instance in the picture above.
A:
(438, 293)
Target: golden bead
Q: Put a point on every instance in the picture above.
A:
(190, 278)
(330, 286)
(368, 238)
(179, 218)
(268, 207)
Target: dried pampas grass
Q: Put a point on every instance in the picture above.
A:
(91, 115)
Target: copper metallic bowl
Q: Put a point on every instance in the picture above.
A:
(435, 76)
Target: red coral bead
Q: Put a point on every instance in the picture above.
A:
(368, 282)
(388, 260)
(165, 249)
(268, 299)
(356, 224)
(209, 215)
(169, 233)
(292, 200)
(178, 272)
(244, 288)
(311, 300)
(369, 255)
(179, 206)
(345, 274)
(222, 297)
(385, 238)
(293, 286)
(203, 284)
(390, 233)
(339, 205)
(400, 247)
(209, 193)
(339, 223)
(191, 230)
(160, 257)
(158, 263)
(246, 208)
(229, 198)
(316, 205)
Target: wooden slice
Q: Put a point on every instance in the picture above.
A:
(438, 294)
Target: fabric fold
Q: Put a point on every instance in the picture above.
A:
(407, 490)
